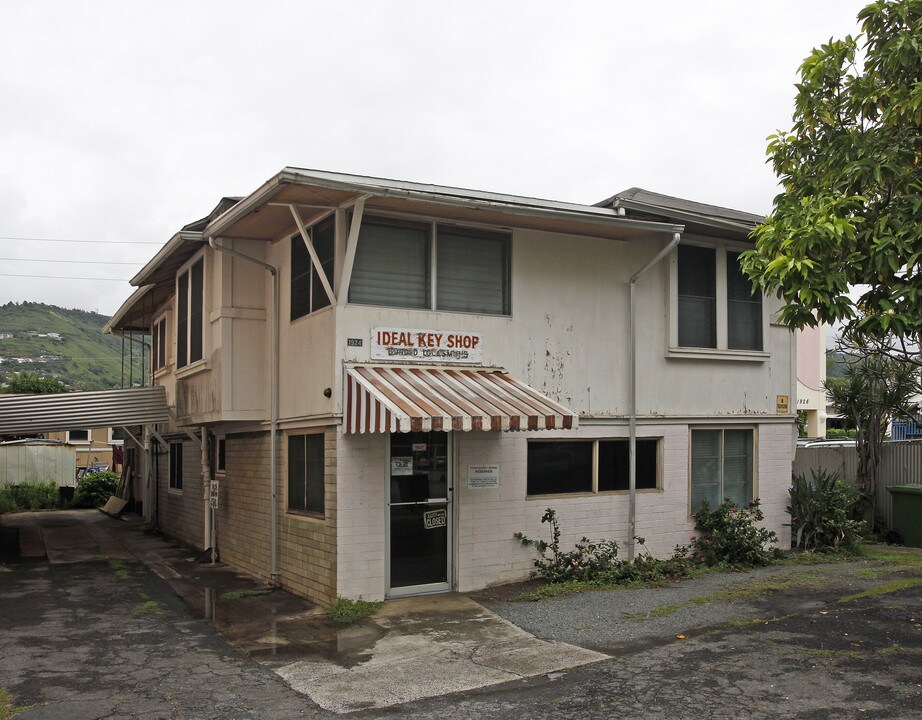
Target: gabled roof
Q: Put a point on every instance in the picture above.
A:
(646, 203)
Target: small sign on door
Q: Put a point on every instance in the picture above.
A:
(435, 519)
(401, 466)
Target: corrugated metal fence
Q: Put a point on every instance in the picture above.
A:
(900, 464)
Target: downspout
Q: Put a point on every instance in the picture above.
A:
(632, 421)
(273, 401)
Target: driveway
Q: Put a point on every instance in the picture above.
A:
(92, 638)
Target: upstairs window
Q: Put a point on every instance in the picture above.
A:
(427, 266)
(159, 344)
(715, 305)
(307, 292)
(190, 287)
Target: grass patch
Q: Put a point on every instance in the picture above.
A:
(766, 586)
(120, 569)
(348, 612)
(897, 558)
(149, 608)
(833, 654)
(664, 610)
(900, 650)
(884, 589)
(29, 496)
(240, 594)
(6, 705)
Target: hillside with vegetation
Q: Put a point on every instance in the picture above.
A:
(65, 344)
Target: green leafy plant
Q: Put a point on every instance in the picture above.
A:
(346, 612)
(729, 535)
(95, 488)
(597, 561)
(839, 433)
(32, 495)
(824, 512)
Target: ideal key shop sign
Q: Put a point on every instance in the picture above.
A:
(414, 345)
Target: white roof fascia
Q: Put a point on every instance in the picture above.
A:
(183, 236)
(457, 197)
(125, 307)
(682, 215)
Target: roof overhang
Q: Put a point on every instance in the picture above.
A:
(20, 414)
(384, 398)
(266, 213)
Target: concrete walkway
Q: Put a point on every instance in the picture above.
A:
(413, 648)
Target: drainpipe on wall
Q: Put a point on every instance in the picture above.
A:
(273, 401)
(632, 422)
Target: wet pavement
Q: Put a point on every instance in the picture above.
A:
(413, 648)
(82, 637)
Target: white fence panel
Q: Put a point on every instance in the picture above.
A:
(900, 464)
(21, 463)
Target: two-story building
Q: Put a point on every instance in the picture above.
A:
(376, 383)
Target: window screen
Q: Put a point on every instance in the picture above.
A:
(721, 467)
(744, 309)
(196, 304)
(614, 464)
(182, 320)
(473, 272)
(559, 467)
(391, 266)
(697, 296)
(305, 472)
(176, 466)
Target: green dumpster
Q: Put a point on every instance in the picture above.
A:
(907, 513)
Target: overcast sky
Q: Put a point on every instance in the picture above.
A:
(122, 121)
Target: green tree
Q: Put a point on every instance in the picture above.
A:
(874, 391)
(850, 214)
(32, 383)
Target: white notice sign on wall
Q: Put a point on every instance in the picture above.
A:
(429, 346)
(482, 476)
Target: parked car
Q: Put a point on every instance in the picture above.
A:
(832, 442)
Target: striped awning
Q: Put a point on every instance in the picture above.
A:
(81, 410)
(383, 398)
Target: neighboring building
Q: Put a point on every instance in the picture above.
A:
(94, 446)
(811, 374)
(444, 364)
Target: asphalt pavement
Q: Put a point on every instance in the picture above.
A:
(86, 638)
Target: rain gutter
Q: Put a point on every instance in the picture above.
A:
(273, 400)
(632, 421)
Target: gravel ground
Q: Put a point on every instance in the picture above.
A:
(614, 621)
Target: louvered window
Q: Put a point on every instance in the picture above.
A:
(721, 467)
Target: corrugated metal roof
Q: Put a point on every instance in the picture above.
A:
(381, 398)
(640, 199)
(81, 410)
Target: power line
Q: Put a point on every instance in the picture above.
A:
(101, 242)
(62, 277)
(80, 262)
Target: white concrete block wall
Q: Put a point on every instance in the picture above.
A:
(485, 519)
(361, 496)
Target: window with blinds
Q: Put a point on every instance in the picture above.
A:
(721, 467)
(472, 272)
(395, 266)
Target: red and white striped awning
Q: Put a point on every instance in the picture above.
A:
(384, 398)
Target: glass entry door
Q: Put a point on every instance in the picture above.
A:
(419, 513)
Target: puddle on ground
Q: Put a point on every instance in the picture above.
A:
(272, 624)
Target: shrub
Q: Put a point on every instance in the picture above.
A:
(840, 433)
(31, 495)
(95, 488)
(728, 535)
(824, 512)
(597, 561)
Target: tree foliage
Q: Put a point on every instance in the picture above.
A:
(874, 391)
(850, 214)
(32, 383)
